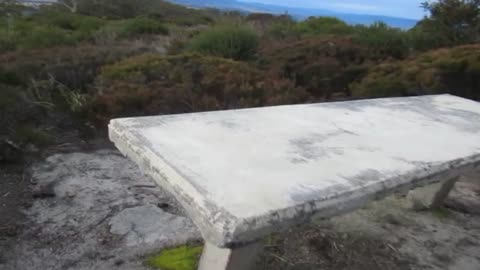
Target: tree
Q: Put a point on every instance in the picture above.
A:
(455, 21)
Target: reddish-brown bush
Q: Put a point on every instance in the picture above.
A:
(324, 66)
(155, 84)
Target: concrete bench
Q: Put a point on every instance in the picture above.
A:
(243, 174)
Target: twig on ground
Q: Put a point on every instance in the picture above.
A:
(142, 186)
(6, 194)
(12, 144)
(335, 246)
(280, 258)
(392, 248)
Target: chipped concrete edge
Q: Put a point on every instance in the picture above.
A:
(224, 230)
(165, 176)
(349, 201)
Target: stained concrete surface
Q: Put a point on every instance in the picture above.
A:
(244, 173)
(95, 211)
(86, 203)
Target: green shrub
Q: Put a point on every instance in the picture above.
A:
(455, 71)
(229, 41)
(383, 39)
(283, 30)
(324, 25)
(69, 21)
(7, 43)
(143, 25)
(163, 10)
(47, 29)
(73, 67)
(272, 25)
(19, 117)
(45, 37)
(422, 39)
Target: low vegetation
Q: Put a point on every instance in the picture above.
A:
(180, 258)
(143, 26)
(455, 71)
(228, 41)
(67, 67)
(154, 84)
(324, 66)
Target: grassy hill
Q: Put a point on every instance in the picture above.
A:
(64, 71)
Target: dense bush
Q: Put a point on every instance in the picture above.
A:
(379, 37)
(45, 37)
(155, 84)
(283, 30)
(324, 25)
(455, 71)
(163, 10)
(19, 118)
(66, 21)
(264, 22)
(383, 39)
(143, 25)
(47, 87)
(74, 67)
(323, 66)
(47, 29)
(313, 26)
(229, 41)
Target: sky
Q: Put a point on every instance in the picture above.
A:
(395, 8)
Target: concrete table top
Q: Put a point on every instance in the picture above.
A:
(242, 174)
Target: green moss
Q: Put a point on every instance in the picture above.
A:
(180, 258)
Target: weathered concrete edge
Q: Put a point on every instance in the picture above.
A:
(224, 230)
(346, 202)
(195, 204)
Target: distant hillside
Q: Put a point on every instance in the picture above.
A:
(298, 13)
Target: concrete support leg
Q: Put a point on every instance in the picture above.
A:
(432, 196)
(241, 258)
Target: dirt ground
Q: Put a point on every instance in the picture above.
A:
(79, 209)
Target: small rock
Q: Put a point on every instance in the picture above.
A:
(44, 192)
(119, 262)
(393, 219)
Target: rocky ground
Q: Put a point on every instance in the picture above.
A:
(96, 210)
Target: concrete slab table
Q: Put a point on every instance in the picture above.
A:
(242, 174)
